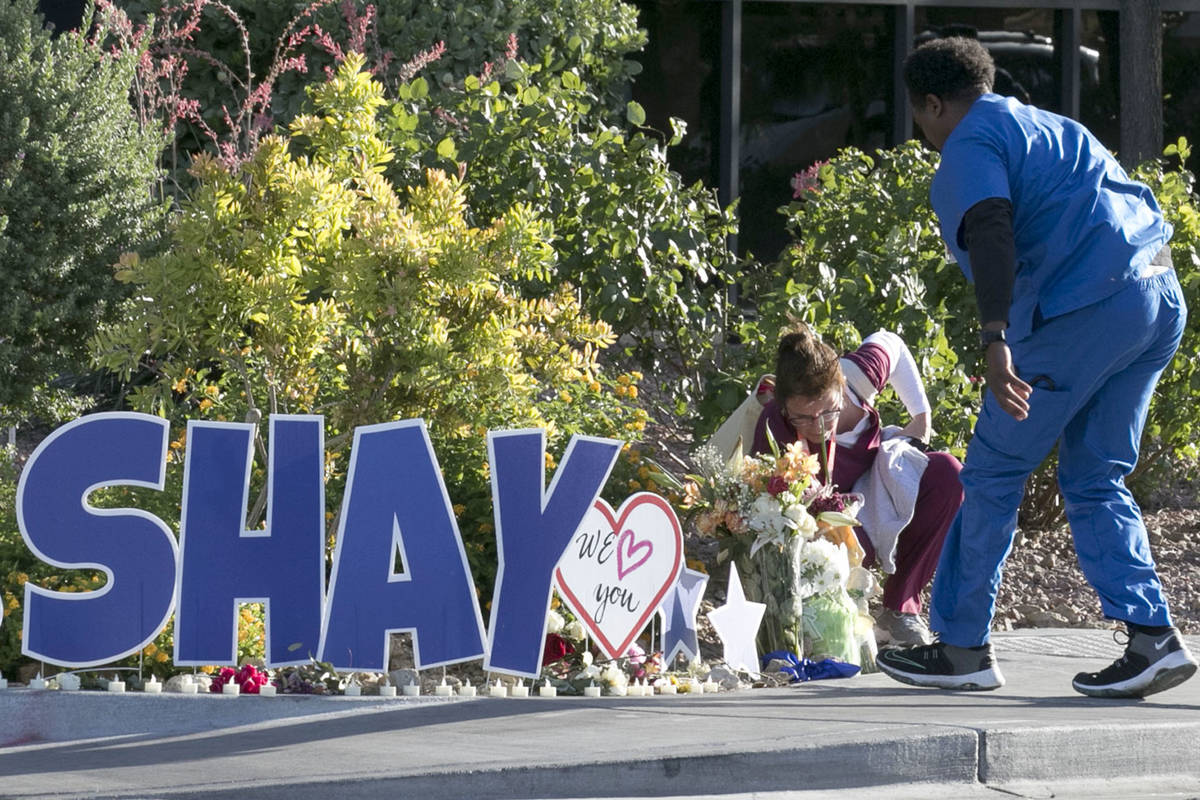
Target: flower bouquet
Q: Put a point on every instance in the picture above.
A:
(793, 541)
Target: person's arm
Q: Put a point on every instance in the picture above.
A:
(905, 378)
(987, 231)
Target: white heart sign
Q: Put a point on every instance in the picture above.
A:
(619, 565)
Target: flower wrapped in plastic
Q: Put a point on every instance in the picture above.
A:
(791, 537)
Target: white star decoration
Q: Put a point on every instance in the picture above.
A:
(737, 623)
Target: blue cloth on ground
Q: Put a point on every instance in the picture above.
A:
(805, 669)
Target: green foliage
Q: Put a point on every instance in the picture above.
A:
(868, 255)
(15, 560)
(1173, 424)
(648, 252)
(220, 54)
(301, 282)
(76, 176)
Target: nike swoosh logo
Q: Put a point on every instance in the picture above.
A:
(896, 657)
(1163, 643)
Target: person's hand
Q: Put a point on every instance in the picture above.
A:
(919, 428)
(1010, 392)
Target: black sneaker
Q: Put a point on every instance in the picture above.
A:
(1150, 664)
(944, 666)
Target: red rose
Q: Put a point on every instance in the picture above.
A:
(556, 648)
(777, 485)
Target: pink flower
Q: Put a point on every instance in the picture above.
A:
(807, 181)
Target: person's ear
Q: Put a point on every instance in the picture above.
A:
(934, 105)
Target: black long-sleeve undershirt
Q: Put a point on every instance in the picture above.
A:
(987, 232)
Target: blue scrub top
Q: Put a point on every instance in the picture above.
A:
(1082, 228)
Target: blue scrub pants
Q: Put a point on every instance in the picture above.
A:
(1093, 372)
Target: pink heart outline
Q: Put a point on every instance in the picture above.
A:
(616, 519)
(627, 536)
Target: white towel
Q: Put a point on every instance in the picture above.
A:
(889, 489)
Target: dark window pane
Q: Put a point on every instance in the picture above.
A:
(681, 77)
(1100, 87)
(1021, 41)
(1181, 65)
(815, 78)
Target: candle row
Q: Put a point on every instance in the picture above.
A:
(70, 681)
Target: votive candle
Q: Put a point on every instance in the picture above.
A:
(230, 688)
(152, 686)
(443, 689)
(466, 690)
(267, 690)
(353, 690)
(546, 690)
(37, 683)
(116, 686)
(591, 691)
(497, 689)
(3, 682)
(519, 689)
(188, 686)
(667, 688)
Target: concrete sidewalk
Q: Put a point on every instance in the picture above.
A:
(827, 735)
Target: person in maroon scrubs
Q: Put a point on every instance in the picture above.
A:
(826, 399)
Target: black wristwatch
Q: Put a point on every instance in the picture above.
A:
(986, 337)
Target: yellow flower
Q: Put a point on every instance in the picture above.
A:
(161, 657)
(179, 386)
(150, 649)
(206, 404)
(623, 380)
(594, 386)
(631, 391)
(485, 527)
(550, 462)
(697, 565)
(564, 396)
(459, 508)
(634, 486)
(637, 376)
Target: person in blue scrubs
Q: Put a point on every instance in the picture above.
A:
(1080, 311)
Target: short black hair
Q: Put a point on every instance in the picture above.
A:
(953, 68)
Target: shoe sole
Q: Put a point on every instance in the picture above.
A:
(1166, 673)
(982, 681)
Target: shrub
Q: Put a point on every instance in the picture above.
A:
(76, 180)
(648, 252)
(1173, 423)
(218, 74)
(300, 282)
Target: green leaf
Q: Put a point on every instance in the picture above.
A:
(635, 113)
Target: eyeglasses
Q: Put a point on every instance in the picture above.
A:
(827, 418)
